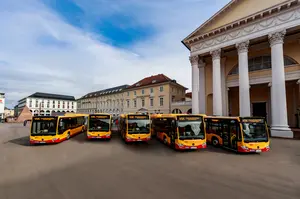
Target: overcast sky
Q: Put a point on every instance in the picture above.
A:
(77, 46)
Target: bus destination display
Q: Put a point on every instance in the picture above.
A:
(253, 120)
(44, 118)
(189, 118)
(138, 117)
(100, 116)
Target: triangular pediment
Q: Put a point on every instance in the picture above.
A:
(233, 11)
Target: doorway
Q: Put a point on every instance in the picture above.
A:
(259, 109)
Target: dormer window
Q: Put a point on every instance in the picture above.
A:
(138, 84)
(153, 81)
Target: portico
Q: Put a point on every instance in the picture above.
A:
(239, 58)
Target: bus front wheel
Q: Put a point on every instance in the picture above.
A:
(68, 136)
(215, 142)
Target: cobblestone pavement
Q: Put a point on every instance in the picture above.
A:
(111, 169)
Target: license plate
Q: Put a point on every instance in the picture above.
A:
(193, 147)
(139, 140)
(258, 151)
(42, 142)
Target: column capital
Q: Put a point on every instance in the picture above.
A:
(277, 37)
(201, 63)
(194, 60)
(216, 54)
(242, 46)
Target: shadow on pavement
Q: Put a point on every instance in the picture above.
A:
(23, 141)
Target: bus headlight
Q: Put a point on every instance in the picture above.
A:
(244, 148)
(180, 145)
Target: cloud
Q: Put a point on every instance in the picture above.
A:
(44, 50)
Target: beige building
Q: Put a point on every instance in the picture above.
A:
(245, 61)
(183, 106)
(104, 101)
(153, 94)
(8, 112)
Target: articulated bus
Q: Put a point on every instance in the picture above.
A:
(135, 127)
(240, 134)
(180, 131)
(55, 129)
(99, 126)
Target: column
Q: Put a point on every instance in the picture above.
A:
(217, 92)
(244, 86)
(280, 126)
(195, 84)
(202, 93)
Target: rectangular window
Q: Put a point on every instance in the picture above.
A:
(151, 102)
(128, 104)
(161, 89)
(143, 102)
(134, 103)
(161, 101)
(151, 90)
(127, 93)
(53, 105)
(134, 92)
(30, 103)
(143, 92)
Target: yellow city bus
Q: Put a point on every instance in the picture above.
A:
(99, 126)
(240, 134)
(55, 129)
(180, 131)
(135, 127)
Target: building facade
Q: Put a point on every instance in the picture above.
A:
(245, 61)
(153, 95)
(47, 104)
(183, 106)
(2, 105)
(104, 101)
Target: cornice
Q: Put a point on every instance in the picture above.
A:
(274, 10)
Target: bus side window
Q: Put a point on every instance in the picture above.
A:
(239, 131)
(208, 126)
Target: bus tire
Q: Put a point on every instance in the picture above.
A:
(68, 136)
(215, 142)
(165, 140)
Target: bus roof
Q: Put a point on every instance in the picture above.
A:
(100, 114)
(174, 115)
(75, 114)
(234, 117)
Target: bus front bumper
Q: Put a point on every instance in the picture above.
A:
(244, 149)
(54, 140)
(137, 140)
(184, 147)
(98, 136)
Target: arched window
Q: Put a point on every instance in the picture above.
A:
(177, 111)
(261, 63)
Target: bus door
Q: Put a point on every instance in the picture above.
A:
(234, 133)
(173, 132)
(225, 134)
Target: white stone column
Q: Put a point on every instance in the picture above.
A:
(217, 92)
(202, 92)
(244, 86)
(280, 126)
(195, 84)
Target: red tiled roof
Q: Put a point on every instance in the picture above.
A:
(156, 79)
(189, 95)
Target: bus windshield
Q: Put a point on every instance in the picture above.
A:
(43, 127)
(140, 126)
(254, 132)
(99, 125)
(191, 130)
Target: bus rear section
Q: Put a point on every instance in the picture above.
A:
(135, 128)
(238, 134)
(99, 126)
(180, 131)
(44, 130)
